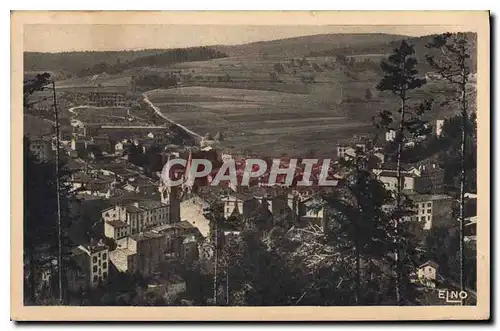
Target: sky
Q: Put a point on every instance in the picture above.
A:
(100, 37)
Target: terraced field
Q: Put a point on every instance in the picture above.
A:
(265, 122)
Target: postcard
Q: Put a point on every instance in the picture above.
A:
(250, 166)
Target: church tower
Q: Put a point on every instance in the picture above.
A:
(171, 195)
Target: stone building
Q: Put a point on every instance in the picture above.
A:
(141, 252)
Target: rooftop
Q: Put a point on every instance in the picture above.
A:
(130, 208)
(143, 236)
(117, 224)
(430, 263)
(93, 248)
(151, 204)
(428, 197)
(394, 174)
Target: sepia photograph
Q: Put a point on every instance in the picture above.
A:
(283, 165)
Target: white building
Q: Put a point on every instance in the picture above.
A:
(98, 263)
(390, 135)
(116, 229)
(135, 217)
(439, 127)
(427, 273)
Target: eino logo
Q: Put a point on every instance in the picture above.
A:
(452, 296)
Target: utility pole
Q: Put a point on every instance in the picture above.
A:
(58, 191)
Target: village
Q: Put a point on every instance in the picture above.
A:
(160, 232)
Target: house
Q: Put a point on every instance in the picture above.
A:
(93, 183)
(390, 180)
(432, 210)
(116, 229)
(141, 252)
(427, 273)
(341, 149)
(311, 211)
(439, 127)
(431, 180)
(425, 178)
(225, 157)
(122, 146)
(239, 204)
(390, 135)
(142, 185)
(181, 239)
(159, 138)
(380, 158)
(192, 211)
(42, 148)
(91, 266)
(470, 228)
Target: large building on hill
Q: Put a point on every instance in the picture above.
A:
(425, 178)
(130, 218)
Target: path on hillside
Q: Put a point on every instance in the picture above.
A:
(159, 113)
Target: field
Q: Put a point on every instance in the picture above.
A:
(274, 102)
(265, 122)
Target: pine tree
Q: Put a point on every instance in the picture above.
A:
(400, 78)
(452, 63)
(40, 233)
(361, 224)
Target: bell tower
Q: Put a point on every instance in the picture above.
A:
(171, 196)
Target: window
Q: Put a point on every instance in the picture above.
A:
(104, 255)
(94, 259)
(95, 278)
(429, 204)
(104, 265)
(94, 269)
(428, 218)
(100, 271)
(429, 211)
(422, 218)
(104, 275)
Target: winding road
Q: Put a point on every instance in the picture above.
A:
(159, 113)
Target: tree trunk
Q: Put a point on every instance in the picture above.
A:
(58, 189)
(463, 171)
(400, 180)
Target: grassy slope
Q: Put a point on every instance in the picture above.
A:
(301, 46)
(289, 115)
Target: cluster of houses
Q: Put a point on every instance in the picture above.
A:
(151, 223)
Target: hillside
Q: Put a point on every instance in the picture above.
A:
(91, 63)
(387, 47)
(301, 46)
